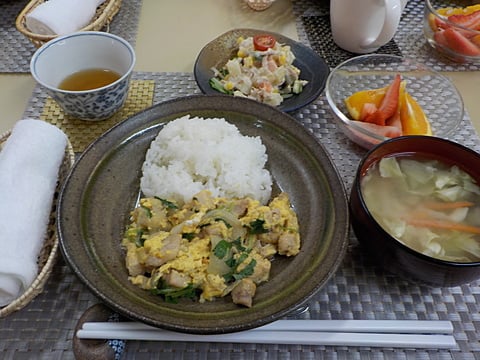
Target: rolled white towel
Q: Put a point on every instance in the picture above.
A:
(29, 163)
(60, 17)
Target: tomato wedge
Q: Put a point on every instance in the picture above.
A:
(263, 42)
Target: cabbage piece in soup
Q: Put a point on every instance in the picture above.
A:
(432, 207)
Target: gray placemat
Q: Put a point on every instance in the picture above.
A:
(16, 50)
(313, 25)
(359, 290)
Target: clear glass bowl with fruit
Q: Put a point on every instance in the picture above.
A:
(376, 97)
(453, 29)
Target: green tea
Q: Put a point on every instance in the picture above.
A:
(88, 79)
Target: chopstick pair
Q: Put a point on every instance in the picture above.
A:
(371, 333)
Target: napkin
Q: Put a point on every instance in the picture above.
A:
(29, 164)
(59, 17)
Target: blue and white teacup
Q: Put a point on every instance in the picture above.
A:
(72, 53)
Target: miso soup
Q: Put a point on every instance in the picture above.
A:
(432, 207)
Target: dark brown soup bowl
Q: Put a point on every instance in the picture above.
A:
(384, 248)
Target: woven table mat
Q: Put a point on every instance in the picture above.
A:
(358, 290)
(313, 25)
(16, 50)
(82, 133)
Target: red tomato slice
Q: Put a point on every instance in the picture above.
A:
(263, 42)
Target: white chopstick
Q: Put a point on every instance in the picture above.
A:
(362, 336)
(364, 326)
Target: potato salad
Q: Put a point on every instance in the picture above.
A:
(208, 248)
(262, 70)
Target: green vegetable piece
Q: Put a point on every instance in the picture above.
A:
(297, 87)
(148, 211)
(217, 85)
(257, 227)
(172, 294)
(238, 244)
(246, 271)
(222, 249)
(188, 236)
(139, 240)
(241, 259)
(231, 262)
(167, 204)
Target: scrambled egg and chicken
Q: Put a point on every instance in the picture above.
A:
(210, 246)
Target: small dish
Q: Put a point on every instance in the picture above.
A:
(104, 185)
(312, 67)
(435, 93)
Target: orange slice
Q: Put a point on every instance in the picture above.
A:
(356, 101)
(459, 10)
(414, 121)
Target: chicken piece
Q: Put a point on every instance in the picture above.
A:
(244, 292)
(151, 215)
(132, 262)
(176, 279)
(161, 252)
(269, 237)
(261, 273)
(216, 229)
(240, 207)
(158, 219)
(141, 216)
(276, 216)
(289, 244)
(266, 250)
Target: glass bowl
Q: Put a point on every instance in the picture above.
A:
(453, 29)
(438, 97)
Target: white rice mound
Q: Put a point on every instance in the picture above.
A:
(193, 154)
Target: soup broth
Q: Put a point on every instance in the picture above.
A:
(88, 79)
(429, 206)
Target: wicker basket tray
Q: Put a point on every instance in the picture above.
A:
(103, 16)
(48, 253)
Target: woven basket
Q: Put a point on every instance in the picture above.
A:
(48, 253)
(103, 16)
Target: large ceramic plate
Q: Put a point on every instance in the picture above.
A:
(103, 187)
(312, 67)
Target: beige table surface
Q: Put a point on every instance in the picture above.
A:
(168, 42)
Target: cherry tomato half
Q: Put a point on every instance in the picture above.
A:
(263, 42)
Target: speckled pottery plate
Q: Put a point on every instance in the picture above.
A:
(102, 189)
(217, 52)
